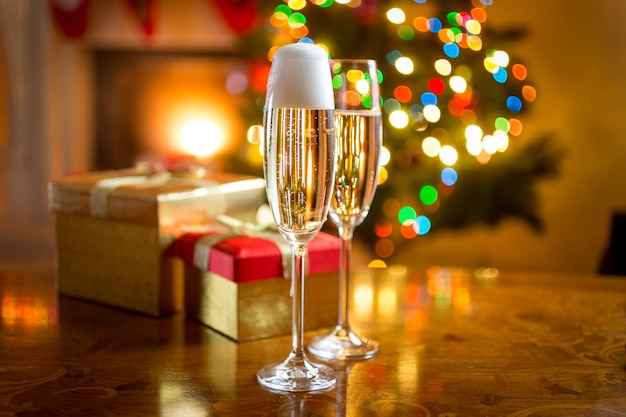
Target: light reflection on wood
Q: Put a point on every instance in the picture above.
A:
(453, 343)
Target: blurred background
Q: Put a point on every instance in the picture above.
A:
(102, 84)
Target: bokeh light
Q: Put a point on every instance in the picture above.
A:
(406, 213)
(399, 119)
(431, 146)
(396, 15)
(404, 65)
(449, 176)
(436, 108)
(428, 194)
(448, 155)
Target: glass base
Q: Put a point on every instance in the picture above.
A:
(296, 374)
(343, 343)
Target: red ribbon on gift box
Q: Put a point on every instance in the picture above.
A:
(251, 258)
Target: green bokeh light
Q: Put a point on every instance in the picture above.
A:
(406, 213)
(428, 194)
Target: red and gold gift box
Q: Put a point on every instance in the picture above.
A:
(237, 286)
(113, 230)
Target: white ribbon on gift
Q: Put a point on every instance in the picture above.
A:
(101, 190)
(204, 245)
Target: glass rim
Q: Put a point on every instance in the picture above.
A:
(354, 60)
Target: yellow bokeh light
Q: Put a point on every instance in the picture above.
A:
(458, 84)
(474, 146)
(473, 132)
(323, 46)
(354, 75)
(385, 157)
(443, 67)
(431, 146)
(502, 140)
(490, 144)
(473, 26)
(362, 86)
(396, 15)
(474, 42)
(448, 155)
(255, 134)
(404, 65)
(399, 119)
(490, 65)
(432, 113)
(501, 58)
(296, 4)
(377, 263)
(382, 175)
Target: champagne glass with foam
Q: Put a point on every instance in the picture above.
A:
(299, 167)
(358, 132)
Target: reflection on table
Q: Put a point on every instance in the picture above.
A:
(454, 342)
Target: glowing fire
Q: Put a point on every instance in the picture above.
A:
(201, 138)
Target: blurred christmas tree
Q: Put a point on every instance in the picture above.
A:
(451, 98)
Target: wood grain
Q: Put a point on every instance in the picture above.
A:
(454, 343)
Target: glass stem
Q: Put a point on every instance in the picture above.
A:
(297, 328)
(344, 274)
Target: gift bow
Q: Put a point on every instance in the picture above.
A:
(263, 228)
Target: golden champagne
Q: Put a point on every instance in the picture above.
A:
(359, 143)
(299, 169)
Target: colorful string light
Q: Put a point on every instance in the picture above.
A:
(449, 94)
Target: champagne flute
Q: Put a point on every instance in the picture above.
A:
(358, 131)
(299, 167)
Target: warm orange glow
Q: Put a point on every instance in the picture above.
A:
(377, 263)
(200, 137)
(34, 313)
(189, 91)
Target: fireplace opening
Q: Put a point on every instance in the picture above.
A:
(170, 108)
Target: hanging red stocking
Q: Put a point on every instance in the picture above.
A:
(144, 11)
(239, 14)
(71, 16)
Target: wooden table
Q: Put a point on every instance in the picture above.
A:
(454, 343)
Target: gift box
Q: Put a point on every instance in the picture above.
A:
(114, 232)
(237, 285)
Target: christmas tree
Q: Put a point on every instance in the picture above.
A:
(452, 106)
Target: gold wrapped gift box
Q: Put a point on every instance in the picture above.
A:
(113, 231)
(241, 292)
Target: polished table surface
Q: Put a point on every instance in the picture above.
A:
(454, 343)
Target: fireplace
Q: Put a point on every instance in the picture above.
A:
(99, 102)
(175, 107)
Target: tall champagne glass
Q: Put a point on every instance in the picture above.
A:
(299, 167)
(358, 132)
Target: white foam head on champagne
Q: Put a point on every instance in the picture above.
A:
(300, 78)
